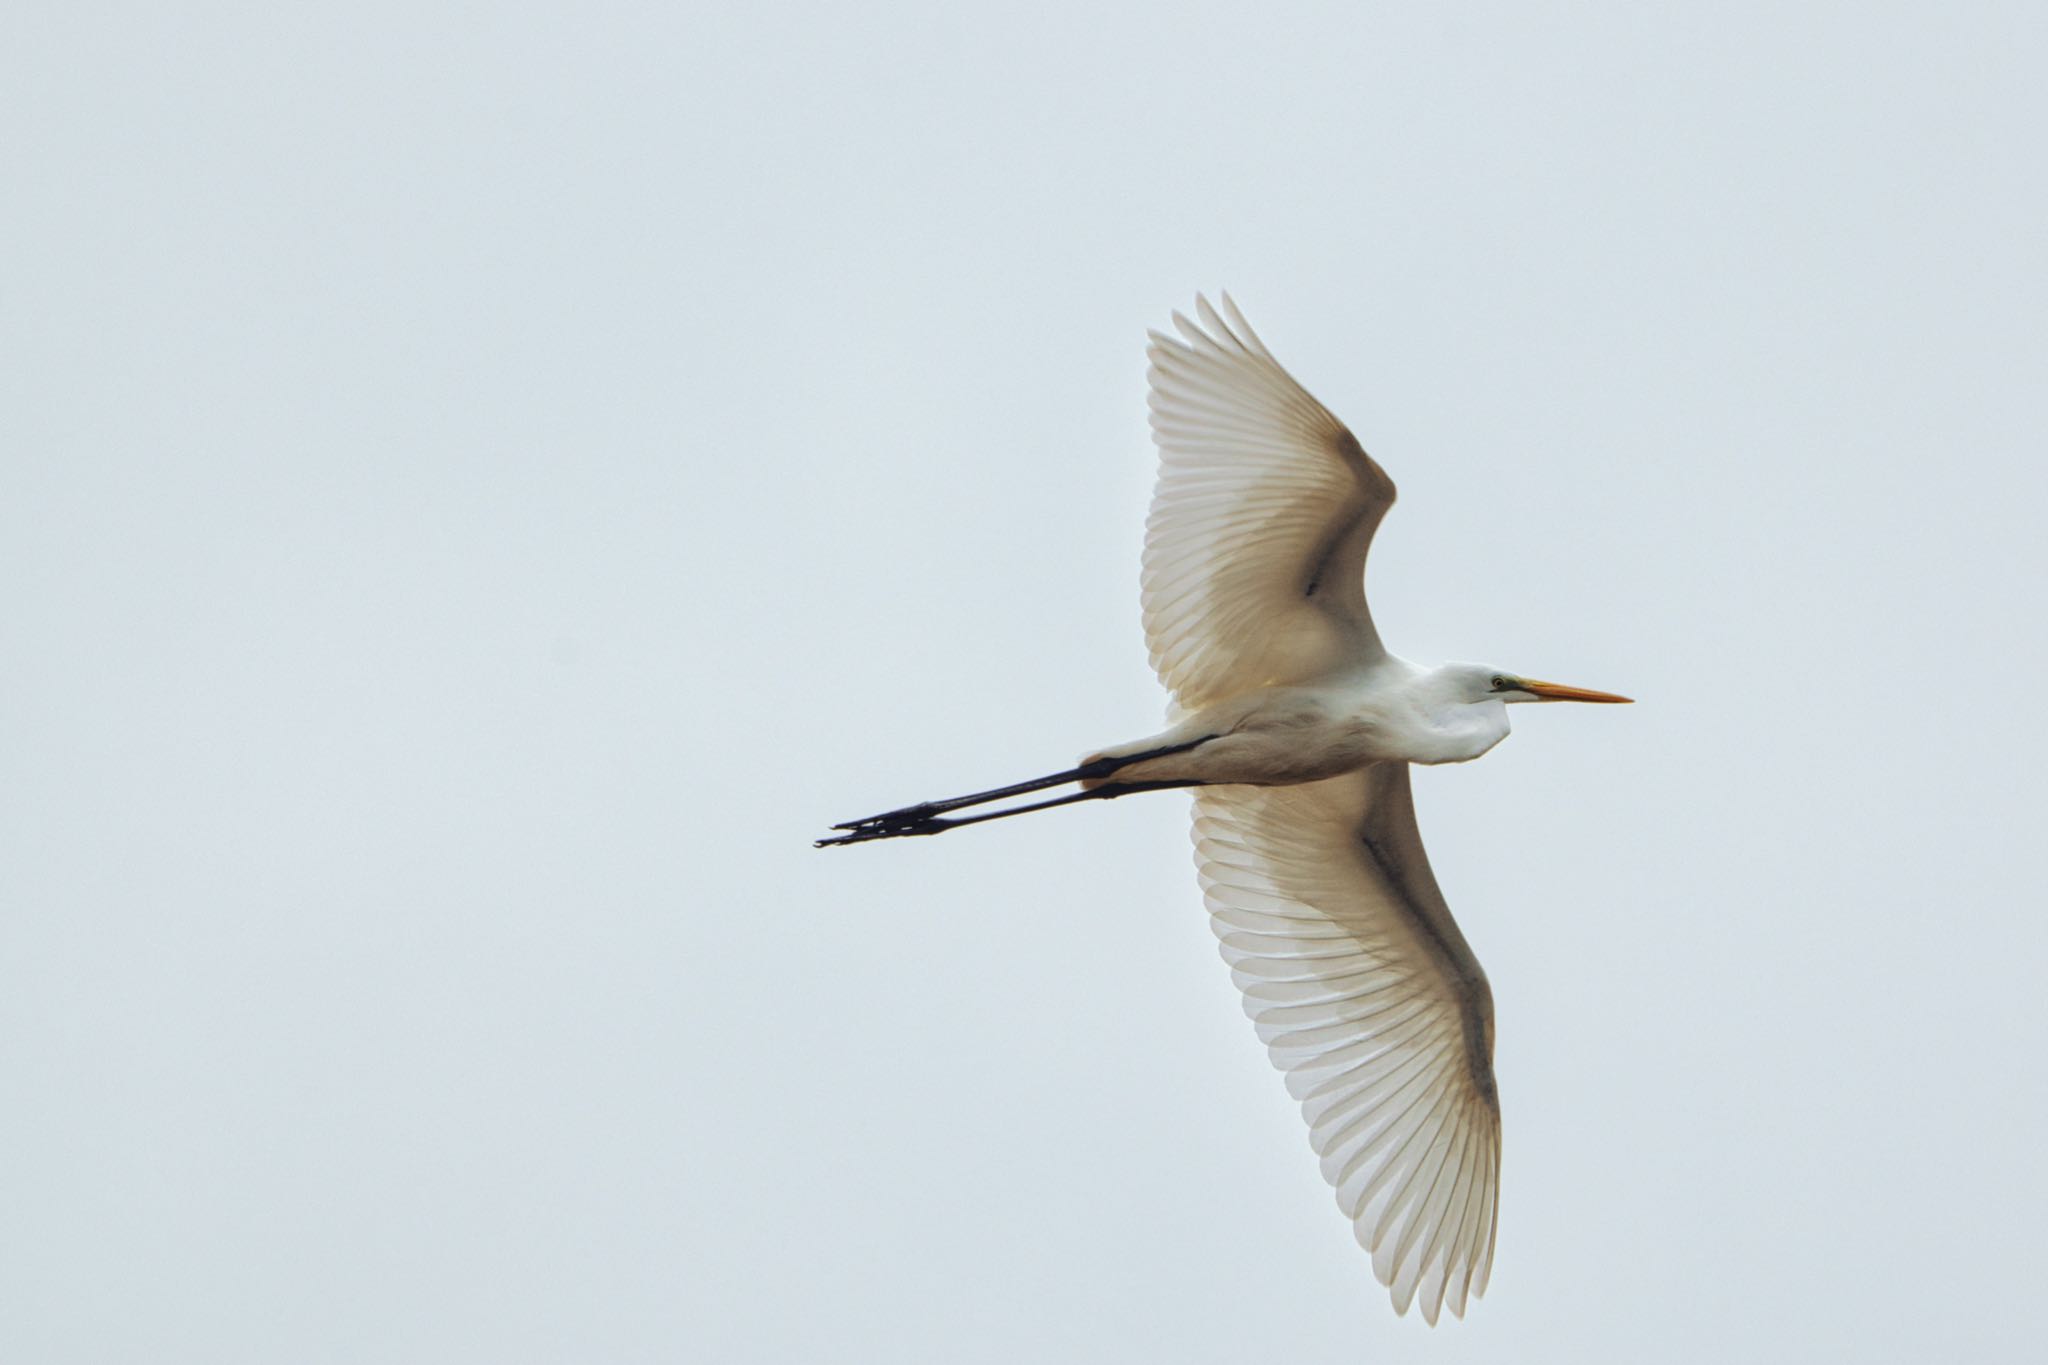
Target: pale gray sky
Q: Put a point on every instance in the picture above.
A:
(485, 485)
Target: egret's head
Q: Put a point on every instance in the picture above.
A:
(1493, 682)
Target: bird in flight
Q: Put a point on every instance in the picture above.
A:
(1295, 727)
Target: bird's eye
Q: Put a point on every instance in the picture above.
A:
(1499, 683)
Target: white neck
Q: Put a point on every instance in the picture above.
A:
(1455, 729)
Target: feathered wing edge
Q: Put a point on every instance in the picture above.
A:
(1261, 520)
(1321, 900)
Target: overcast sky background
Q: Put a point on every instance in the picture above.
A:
(482, 487)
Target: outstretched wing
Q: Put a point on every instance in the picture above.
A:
(1367, 996)
(1254, 569)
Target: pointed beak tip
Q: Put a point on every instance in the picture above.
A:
(1550, 691)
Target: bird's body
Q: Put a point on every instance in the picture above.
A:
(1388, 712)
(1295, 728)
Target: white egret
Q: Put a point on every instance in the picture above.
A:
(1296, 727)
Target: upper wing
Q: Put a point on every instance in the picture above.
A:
(1254, 568)
(1367, 996)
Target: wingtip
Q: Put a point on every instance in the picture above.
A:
(1223, 328)
(1243, 327)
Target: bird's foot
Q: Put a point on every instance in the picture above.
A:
(902, 815)
(895, 825)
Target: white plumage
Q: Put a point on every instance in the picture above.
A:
(1295, 727)
(1366, 995)
(1257, 481)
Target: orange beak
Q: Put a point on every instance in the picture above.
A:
(1550, 691)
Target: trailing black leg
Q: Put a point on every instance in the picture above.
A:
(863, 831)
(910, 819)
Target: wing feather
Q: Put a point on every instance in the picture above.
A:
(1254, 568)
(1369, 1000)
